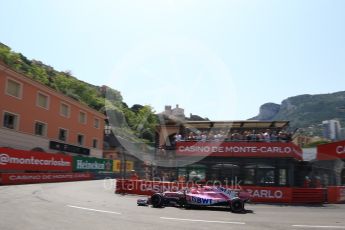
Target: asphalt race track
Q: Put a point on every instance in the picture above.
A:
(93, 205)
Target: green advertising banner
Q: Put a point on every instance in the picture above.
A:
(92, 164)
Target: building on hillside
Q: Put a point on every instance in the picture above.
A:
(176, 112)
(36, 117)
(331, 129)
(303, 140)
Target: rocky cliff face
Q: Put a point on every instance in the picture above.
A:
(267, 112)
(306, 111)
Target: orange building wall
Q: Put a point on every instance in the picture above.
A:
(29, 112)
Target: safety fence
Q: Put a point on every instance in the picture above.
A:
(335, 194)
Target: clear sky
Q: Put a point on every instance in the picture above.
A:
(218, 59)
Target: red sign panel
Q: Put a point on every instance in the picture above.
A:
(13, 159)
(28, 178)
(342, 194)
(239, 149)
(269, 194)
(331, 151)
(336, 194)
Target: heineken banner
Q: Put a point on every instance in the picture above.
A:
(92, 164)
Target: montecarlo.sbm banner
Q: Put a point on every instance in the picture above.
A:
(21, 160)
(92, 164)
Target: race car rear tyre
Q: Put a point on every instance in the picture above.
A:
(237, 205)
(182, 202)
(157, 200)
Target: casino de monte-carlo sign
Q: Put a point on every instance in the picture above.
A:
(331, 151)
(239, 149)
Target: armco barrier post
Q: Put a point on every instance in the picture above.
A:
(332, 195)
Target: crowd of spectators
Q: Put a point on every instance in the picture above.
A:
(236, 135)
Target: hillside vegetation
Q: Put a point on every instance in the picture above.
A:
(138, 121)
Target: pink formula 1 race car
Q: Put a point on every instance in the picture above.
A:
(200, 196)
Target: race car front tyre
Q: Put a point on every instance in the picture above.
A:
(237, 205)
(157, 200)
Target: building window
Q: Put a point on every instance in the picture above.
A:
(249, 176)
(40, 129)
(10, 120)
(266, 175)
(80, 139)
(95, 143)
(14, 88)
(64, 110)
(96, 123)
(42, 100)
(62, 134)
(82, 117)
(282, 177)
(343, 177)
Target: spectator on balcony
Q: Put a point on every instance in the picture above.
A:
(267, 135)
(210, 136)
(191, 137)
(221, 135)
(283, 136)
(198, 136)
(274, 136)
(218, 137)
(253, 136)
(228, 137)
(260, 137)
(235, 136)
(178, 137)
(204, 136)
(247, 135)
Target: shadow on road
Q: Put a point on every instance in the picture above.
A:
(311, 205)
(221, 209)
